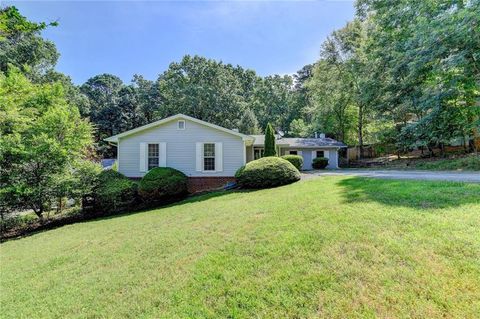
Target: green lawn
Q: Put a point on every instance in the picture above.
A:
(331, 247)
(459, 163)
(467, 163)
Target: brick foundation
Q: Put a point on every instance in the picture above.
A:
(200, 184)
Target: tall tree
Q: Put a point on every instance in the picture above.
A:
(103, 92)
(270, 148)
(41, 135)
(148, 99)
(248, 124)
(298, 128)
(22, 46)
(274, 101)
(424, 55)
(332, 110)
(344, 50)
(203, 88)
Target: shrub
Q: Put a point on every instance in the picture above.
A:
(267, 172)
(86, 176)
(320, 162)
(163, 183)
(296, 160)
(270, 149)
(115, 192)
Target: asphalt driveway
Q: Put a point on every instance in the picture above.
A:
(471, 177)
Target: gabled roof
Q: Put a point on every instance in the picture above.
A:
(299, 142)
(114, 138)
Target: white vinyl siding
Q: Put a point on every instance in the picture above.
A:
(181, 149)
(309, 154)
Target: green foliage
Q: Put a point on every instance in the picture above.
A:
(105, 111)
(468, 163)
(17, 221)
(298, 128)
(41, 135)
(430, 86)
(248, 124)
(86, 178)
(163, 183)
(331, 96)
(296, 160)
(21, 45)
(276, 101)
(115, 192)
(267, 172)
(270, 148)
(205, 89)
(320, 162)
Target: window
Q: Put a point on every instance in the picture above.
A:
(153, 155)
(209, 156)
(293, 153)
(181, 125)
(320, 154)
(258, 153)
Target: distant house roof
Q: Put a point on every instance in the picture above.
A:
(300, 142)
(260, 139)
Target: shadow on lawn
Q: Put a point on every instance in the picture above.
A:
(407, 193)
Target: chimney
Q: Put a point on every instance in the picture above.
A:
(322, 135)
(316, 135)
(235, 129)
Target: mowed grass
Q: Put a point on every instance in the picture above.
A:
(467, 163)
(330, 247)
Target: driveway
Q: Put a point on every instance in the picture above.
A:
(471, 177)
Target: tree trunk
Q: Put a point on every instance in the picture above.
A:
(360, 131)
(476, 140)
(39, 212)
(442, 149)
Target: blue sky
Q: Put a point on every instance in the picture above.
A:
(128, 37)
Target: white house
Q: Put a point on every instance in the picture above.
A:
(209, 154)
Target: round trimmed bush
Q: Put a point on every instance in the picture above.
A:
(115, 192)
(296, 160)
(320, 162)
(163, 183)
(267, 172)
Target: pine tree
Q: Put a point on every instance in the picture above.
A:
(270, 149)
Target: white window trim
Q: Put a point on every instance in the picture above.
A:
(184, 125)
(214, 158)
(148, 157)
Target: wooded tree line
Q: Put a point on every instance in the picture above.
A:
(403, 73)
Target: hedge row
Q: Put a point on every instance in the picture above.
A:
(117, 193)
